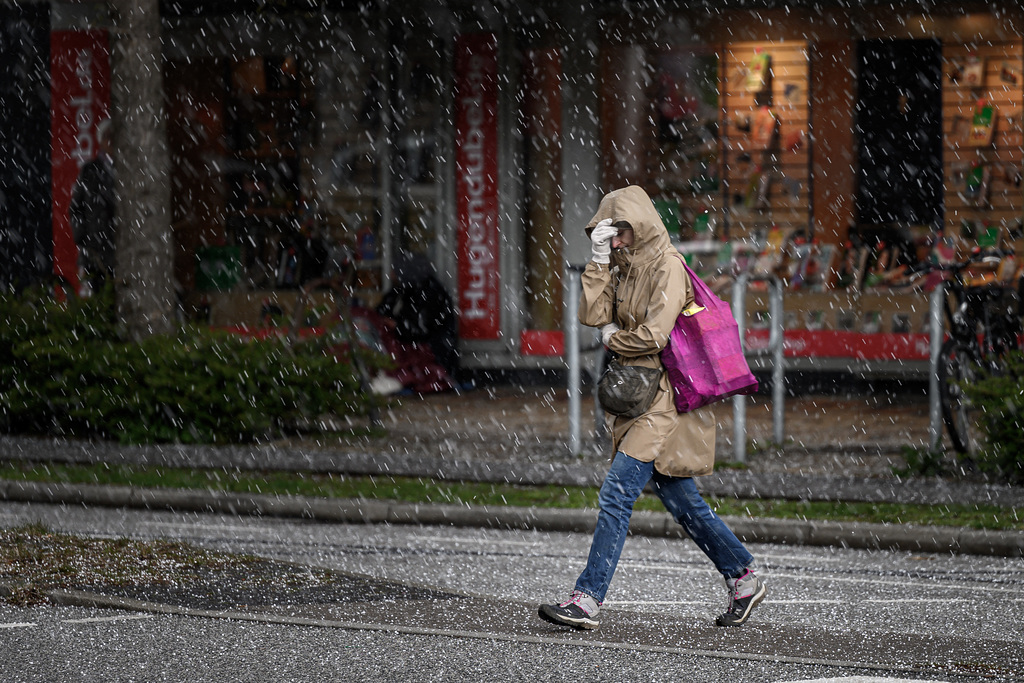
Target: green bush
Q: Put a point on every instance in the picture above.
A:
(1000, 399)
(64, 370)
(922, 462)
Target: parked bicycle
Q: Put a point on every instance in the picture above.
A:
(984, 323)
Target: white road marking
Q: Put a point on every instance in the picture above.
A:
(627, 564)
(769, 575)
(864, 679)
(190, 526)
(768, 601)
(655, 602)
(769, 557)
(478, 541)
(93, 620)
(99, 620)
(25, 624)
(915, 601)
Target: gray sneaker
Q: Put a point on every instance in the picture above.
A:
(745, 593)
(579, 611)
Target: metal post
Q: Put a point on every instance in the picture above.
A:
(600, 426)
(776, 342)
(936, 303)
(572, 344)
(739, 403)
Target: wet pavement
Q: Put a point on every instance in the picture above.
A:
(868, 431)
(364, 603)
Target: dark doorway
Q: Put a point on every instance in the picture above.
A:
(26, 213)
(899, 124)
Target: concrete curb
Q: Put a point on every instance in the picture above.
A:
(902, 537)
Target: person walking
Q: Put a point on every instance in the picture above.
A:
(634, 288)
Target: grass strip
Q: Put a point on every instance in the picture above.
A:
(418, 490)
(35, 560)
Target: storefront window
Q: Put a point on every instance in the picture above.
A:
(416, 131)
(660, 129)
(382, 99)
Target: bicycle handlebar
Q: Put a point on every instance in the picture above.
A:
(990, 256)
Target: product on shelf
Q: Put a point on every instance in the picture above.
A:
(982, 124)
(759, 73)
(764, 128)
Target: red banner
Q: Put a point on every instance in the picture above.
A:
(80, 99)
(476, 185)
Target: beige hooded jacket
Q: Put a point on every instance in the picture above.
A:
(643, 291)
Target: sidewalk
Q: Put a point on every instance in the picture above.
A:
(836, 448)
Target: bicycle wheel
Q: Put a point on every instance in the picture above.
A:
(957, 365)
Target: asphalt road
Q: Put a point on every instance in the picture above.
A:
(831, 613)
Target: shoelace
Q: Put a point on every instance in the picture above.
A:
(574, 599)
(734, 590)
(732, 595)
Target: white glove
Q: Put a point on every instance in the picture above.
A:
(601, 240)
(607, 331)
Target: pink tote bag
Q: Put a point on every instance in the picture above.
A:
(704, 359)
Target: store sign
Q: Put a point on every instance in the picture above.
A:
(80, 99)
(476, 185)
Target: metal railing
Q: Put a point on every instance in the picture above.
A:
(936, 303)
(775, 352)
(574, 351)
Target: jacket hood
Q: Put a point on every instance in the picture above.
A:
(632, 205)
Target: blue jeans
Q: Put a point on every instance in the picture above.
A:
(622, 486)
